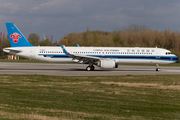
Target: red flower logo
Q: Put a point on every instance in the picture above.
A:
(15, 37)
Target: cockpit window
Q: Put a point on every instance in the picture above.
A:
(168, 53)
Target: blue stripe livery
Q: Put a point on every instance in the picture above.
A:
(164, 58)
(16, 38)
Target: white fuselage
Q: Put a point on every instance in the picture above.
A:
(119, 54)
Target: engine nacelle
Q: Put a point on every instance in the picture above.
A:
(107, 64)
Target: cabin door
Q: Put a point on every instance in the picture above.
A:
(32, 53)
(158, 52)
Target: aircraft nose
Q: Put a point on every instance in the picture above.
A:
(176, 58)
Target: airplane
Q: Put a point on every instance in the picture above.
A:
(103, 57)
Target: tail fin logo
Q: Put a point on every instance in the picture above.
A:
(15, 37)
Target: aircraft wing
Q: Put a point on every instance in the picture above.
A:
(80, 57)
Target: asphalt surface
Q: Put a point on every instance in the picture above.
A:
(79, 69)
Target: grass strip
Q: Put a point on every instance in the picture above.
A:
(101, 97)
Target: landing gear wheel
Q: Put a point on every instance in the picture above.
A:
(90, 68)
(157, 69)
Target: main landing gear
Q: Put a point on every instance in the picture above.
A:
(157, 67)
(90, 68)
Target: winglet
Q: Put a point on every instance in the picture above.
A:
(64, 50)
(77, 45)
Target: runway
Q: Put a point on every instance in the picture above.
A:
(79, 69)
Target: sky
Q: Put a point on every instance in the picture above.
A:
(61, 17)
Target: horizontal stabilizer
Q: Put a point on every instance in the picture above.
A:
(9, 50)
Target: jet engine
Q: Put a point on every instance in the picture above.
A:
(107, 64)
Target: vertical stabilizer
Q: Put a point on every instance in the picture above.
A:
(16, 38)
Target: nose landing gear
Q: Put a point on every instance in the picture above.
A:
(157, 67)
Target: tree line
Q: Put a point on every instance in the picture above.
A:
(131, 36)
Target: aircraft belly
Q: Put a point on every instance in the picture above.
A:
(140, 61)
